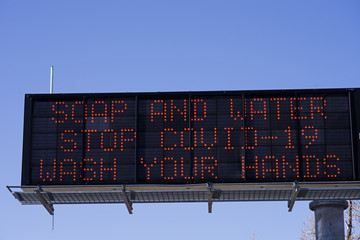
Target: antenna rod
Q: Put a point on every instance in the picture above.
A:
(51, 79)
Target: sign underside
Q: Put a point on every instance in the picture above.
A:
(188, 193)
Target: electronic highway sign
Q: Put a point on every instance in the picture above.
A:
(191, 137)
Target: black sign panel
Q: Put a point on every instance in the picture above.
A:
(191, 137)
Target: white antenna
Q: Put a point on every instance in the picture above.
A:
(51, 79)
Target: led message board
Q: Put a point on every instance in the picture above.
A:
(190, 137)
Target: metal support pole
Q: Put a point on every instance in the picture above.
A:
(210, 192)
(296, 189)
(126, 200)
(48, 206)
(329, 219)
(51, 79)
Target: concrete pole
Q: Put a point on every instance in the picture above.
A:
(329, 219)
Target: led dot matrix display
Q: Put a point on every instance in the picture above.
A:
(195, 137)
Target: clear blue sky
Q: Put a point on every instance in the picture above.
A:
(122, 46)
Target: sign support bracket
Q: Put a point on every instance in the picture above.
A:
(210, 196)
(296, 190)
(48, 206)
(126, 200)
